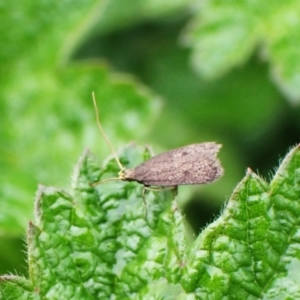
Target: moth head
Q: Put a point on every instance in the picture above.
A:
(122, 174)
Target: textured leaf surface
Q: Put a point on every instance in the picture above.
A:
(95, 243)
(244, 252)
(82, 241)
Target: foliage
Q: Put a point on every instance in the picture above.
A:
(99, 243)
(215, 88)
(225, 34)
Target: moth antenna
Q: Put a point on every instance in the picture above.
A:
(105, 180)
(105, 137)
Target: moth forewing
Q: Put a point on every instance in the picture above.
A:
(192, 164)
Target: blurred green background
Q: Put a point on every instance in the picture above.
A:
(166, 73)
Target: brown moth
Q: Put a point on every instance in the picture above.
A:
(192, 164)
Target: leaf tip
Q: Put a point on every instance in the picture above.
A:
(249, 172)
(38, 196)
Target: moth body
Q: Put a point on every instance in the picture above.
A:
(192, 164)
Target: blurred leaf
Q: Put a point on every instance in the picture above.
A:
(225, 34)
(92, 244)
(118, 14)
(47, 113)
(13, 257)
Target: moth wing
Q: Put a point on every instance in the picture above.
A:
(193, 164)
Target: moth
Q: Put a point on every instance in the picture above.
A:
(192, 164)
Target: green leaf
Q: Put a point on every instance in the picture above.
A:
(15, 287)
(81, 240)
(47, 112)
(244, 252)
(119, 14)
(95, 243)
(224, 34)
